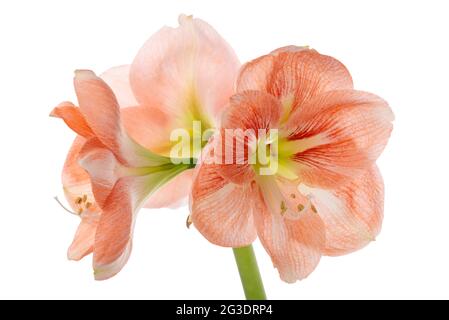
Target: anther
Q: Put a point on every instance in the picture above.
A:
(300, 207)
(78, 200)
(293, 196)
(188, 221)
(314, 208)
(85, 198)
(88, 204)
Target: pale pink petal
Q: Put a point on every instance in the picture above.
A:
(117, 79)
(221, 211)
(294, 245)
(72, 116)
(350, 128)
(173, 194)
(185, 70)
(83, 241)
(352, 214)
(294, 76)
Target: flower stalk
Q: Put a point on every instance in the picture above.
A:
(249, 273)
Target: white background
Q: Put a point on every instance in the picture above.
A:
(396, 49)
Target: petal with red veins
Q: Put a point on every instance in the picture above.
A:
(248, 113)
(221, 211)
(294, 76)
(352, 214)
(294, 245)
(338, 135)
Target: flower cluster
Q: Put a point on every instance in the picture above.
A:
(298, 171)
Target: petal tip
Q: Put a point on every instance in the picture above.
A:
(182, 19)
(84, 74)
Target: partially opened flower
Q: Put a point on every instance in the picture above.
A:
(119, 175)
(180, 75)
(325, 196)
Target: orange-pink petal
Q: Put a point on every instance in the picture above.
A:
(294, 245)
(72, 116)
(249, 112)
(351, 129)
(113, 236)
(352, 214)
(221, 211)
(294, 76)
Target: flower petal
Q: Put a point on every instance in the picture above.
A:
(83, 241)
(72, 116)
(148, 126)
(117, 79)
(101, 111)
(113, 237)
(249, 115)
(294, 245)
(352, 214)
(102, 167)
(173, 194)
(350, 130)
(221, 211)
(185, 70)
(294, 76)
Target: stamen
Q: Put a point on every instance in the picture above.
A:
(80, 210)
(85, 198)
(78, 200)
(188, 221)
(300, 207)
(65, 208)
(293, 196)
(88, 204)
(313, 208)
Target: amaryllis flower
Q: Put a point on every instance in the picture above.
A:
(119, 175)
(180, 75)
(326, 196)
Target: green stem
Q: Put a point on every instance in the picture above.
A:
(249, 273)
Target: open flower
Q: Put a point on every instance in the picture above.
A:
(121, 175)
(180, 75)
(326, 195)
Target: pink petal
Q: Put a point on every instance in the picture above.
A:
(250, 112)
(113, 237)
(352, 214)
(72, 116)
(83, 241)
(352, 128)
(294, 245)
(102, 167)
(173, 194)
(185, 69)
(117, 79)
(148, 126)
(294, 76)
(221, 211)
(101, 111)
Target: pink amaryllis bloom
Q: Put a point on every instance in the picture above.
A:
(180, 75)
(112, 177)
(326, 196)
